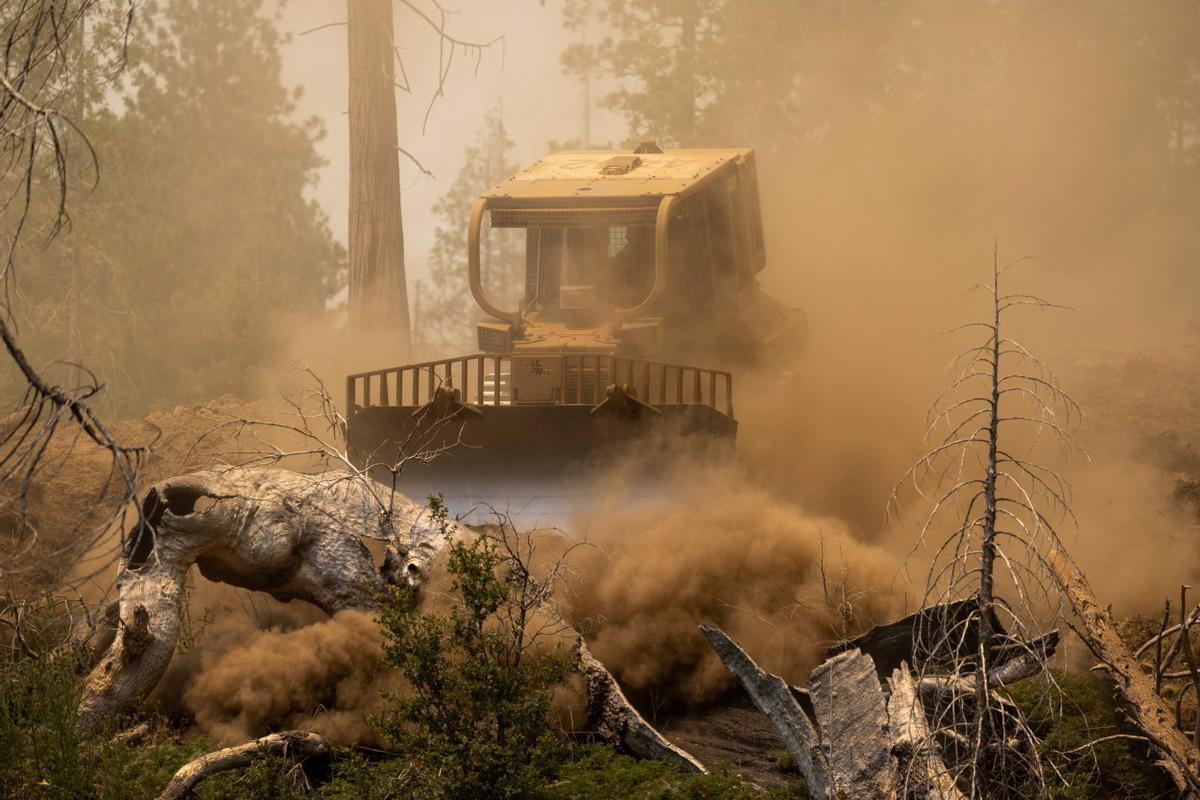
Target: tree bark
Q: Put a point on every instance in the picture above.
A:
(852, 718)
(923, 774)
(1176, 753)
(378, 289)
(292, 535)
(295, 745)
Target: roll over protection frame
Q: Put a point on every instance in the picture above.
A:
(515, 317)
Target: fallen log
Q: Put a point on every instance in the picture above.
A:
(942, 639)
(1176, 754)
(294, 745)
(289, 534)
(774, 698)
(1026, 661)
(615, 719)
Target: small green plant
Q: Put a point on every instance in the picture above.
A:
(43, 751)
(595, 772)
(39, 742)
(474, 718)
(1089, 711)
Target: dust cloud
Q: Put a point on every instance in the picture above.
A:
(1043, 133)
(257, 665)
(716, 549)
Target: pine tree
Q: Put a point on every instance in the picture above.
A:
(199, 235)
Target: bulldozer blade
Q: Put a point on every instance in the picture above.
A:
(537, 464)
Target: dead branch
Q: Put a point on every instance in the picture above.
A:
(1159, 666)
(1026, 661)
(42, 48)
(293, 745)
(1176, 754)
(618, 722)
(1190, 659)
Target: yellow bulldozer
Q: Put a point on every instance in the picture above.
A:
(638, 264)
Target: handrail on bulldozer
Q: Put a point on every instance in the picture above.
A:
(485, 379)
(657, 289)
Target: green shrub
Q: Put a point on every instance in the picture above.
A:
(474, 719)
(124, 772)
(597, 773)
(1088, 709)
(39, 742)
(43, 752)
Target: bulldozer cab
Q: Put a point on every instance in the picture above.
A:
(636, 263)
(625, 253)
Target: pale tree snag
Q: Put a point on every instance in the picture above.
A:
(378, 291)
(291, 535)
(612, 716)
(1177, 755)
(293, 745)
(922, 773)
(853, 722)
(774, 698)
(999, 508)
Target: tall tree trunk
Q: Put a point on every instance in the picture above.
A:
(378, 292)
(687, 72)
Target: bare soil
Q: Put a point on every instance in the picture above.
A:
(736, 734)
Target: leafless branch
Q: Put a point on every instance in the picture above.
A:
(44, 55)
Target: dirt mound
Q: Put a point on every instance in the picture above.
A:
(74, 515)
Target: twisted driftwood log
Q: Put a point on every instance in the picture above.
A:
(615, 719)
(295, 745)
(291, 535)
(774, 698)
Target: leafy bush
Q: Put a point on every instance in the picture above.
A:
(43, 752)
(475, 716)
(1089, 709)
(597, 773)
(39, 743)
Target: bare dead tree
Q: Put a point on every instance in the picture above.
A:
(994, 510)
(42, 152)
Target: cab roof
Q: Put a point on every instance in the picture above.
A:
(613, 175)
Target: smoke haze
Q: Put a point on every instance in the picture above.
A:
(920, 135)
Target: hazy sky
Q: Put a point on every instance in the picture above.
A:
(522, 74)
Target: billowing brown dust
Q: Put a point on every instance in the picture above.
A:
(258, 665)
(783, 583)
